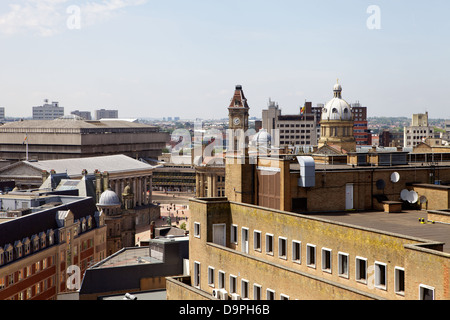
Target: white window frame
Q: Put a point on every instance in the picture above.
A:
(424, 286)
(233, 283)
(257, 288)
(221, 279)
(324, 268)
(397, 280)
(357, 269)
(197, 230)
(244, 246)
(294, 258)
(269, 238)
(280, 246)
(270, 291)
(377, 265)
(197, 274)
(211, 276)
(284, 296)
(310, 246)
(245, 289)
(233, 233)
(341, 272)
(255, 242)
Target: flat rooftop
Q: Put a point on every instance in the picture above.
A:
(406, 223)
(128, 257)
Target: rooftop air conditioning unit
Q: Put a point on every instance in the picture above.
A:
(223, 294)
(235, 296)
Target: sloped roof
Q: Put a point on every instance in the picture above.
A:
(74, 166)
(238, 100)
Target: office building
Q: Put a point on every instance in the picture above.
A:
(290, 130)
(106, 114)
(362, 134)
(48, 111)
(418, 131)
(86, 115)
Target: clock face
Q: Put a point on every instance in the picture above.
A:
(236, 121)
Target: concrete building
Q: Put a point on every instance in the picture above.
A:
(418, 131)
(77, 138)
(108, 114)
(240, 251)
(290, 130)
(86, 115)
(2, 113)
(43, 253)
(370, 226)
(48, 111)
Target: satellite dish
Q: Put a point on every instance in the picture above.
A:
(423, 199)
(381, 184)
(404, 194)
(395, 177)
(413, 197)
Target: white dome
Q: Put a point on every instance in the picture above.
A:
(337, 108)
(262, 137)
(109, 198)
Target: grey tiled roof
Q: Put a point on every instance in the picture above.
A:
(74, 166)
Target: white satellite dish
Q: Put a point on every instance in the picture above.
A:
(413, 197)
(404, 194)
(395, 177)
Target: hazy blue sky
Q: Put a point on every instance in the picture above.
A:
(151, 58)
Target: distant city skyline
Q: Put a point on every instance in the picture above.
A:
(151, 59)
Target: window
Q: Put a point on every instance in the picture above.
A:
(311, 255)
(426, 292)
(284, 297)
(221, 279)
(296, 251)
(269, 243)
(233, 283)
(343, 264)
(197, 229)
(270, 294)
(282, 248)
(380, 275)
(196, 274)
(244, 289)
(326, 260)
(244, 240)
(211, 276)
(257, 240)
(256, 292)
(361, 269)
(233, 234)
(399, 280)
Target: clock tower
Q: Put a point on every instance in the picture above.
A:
(238, 117)
(238, 110)
(239, 172)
